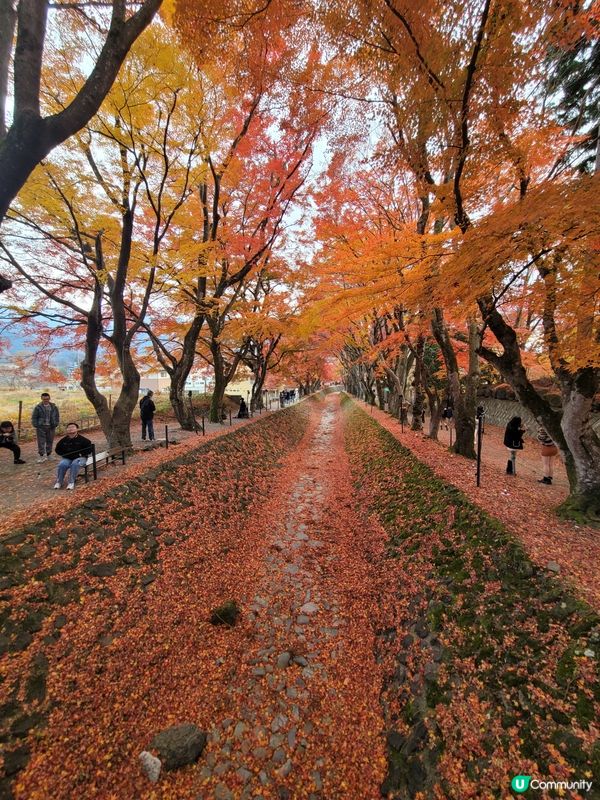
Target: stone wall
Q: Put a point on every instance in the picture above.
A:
(499, 412)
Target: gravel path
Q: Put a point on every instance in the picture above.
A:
(304, 718)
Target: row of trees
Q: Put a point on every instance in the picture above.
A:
(470, 235)
(457, 225)
(158, 233)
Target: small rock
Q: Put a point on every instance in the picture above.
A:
(279, 756)
(179, 745)
(292, 738)
(146, 580)
(278, 722)
(239, 730)
(285, 770)
(243, 774)
(169, 540)
(301, 661)
(222, 792)
(552, 566)
(303, 619)
(283, 660)
(275, 741)
(309, 608)
(104, 570)
(589, 653)
(150, 765)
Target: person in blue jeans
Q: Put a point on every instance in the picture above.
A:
(74, 450)
(147, 409)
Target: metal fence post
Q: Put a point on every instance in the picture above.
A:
(20, 419)
(480, 413)
(166, 437)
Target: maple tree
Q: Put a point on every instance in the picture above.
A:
(95, 267)
(478, 167)
(30, 137)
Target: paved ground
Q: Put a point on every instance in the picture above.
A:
(27, 485)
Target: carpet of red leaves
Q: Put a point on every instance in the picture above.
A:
(133, 657)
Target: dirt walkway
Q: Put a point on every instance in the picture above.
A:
(305, 717)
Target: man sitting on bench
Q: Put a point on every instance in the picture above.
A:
(74, 450)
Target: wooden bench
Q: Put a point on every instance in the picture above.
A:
(102, 459)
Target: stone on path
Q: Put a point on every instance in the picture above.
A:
(179, 745)
(309, 608)
(150, 765)
(552, 566)
(283, 660)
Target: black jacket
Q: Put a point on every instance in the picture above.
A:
(513, 438)
(147, 408)
(76, 447)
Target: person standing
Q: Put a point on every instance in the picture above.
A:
(243, 412)
(45, 419)
(549, 451)
(447, 415)
(513, 441)
(8, 440)
(74, 450)
(147, 409)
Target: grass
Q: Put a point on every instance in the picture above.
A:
(514, 636)
(75, 407)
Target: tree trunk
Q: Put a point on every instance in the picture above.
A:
(179, 371)
(464, 404)
(583, 444)
(418, 402)
(380, 395)
(256, 397)
(115, 422)
(216, 403)
(181, 405)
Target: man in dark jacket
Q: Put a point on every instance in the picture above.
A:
(74, 450)
(45, 419)
(147, 409)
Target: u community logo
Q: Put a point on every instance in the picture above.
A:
(520, 784)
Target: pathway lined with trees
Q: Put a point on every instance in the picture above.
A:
(326, 617)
